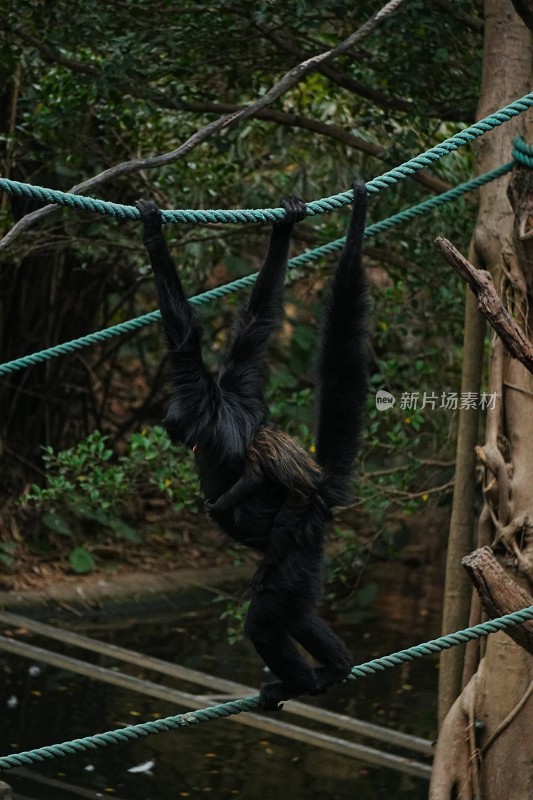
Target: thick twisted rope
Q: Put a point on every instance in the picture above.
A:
(523, 152)
(251, 703)
(272, 214)
(137, 323)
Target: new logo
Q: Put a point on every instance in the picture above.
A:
(384, 400)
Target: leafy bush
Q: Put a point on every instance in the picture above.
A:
(234, 615)
(86, 484)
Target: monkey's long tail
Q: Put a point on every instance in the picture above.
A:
(342, 362)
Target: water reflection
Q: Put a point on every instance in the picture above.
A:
(219, 759)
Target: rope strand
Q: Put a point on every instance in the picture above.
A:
(133, 325)
(131, 732)
(268, 215)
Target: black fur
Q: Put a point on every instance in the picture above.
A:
(260, 486)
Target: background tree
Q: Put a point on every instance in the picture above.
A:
(142, 98)
(107, 97)
(484, 728)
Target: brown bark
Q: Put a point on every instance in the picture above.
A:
(452, 771)
(457, 590)
(492, 731)
(506, 73)
(490, 304)
(468, 760)
(500, 594)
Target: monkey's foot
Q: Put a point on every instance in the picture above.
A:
(273, 694)
(318, 682)
(326, 677)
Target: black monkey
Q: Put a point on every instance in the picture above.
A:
(262, 487)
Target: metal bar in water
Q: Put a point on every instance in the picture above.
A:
(325, 741)
(62, 786)
(5, 791)
(198, 678)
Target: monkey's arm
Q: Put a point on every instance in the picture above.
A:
(281, 539)
(266, 296)
(242, 369)
(238, 493)
(178, 315)
(194, 392)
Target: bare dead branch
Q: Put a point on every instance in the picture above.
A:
(294, 75)
(499, 593)
(489, 303)
(290, 79)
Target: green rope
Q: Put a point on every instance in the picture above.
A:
(523, 152)
(131, 732)
(136, 324)
(271, 214)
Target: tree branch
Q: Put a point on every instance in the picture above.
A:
(490, 304)
(361, 89)
(328, 129)
(449, 7)
(499, 593)
(340, 78)
(52, 55)
(294, 75)
(291, 78)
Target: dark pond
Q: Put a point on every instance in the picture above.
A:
(41, 705)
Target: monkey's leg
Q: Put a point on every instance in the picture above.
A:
(315, 636)
(267, 292)
(265, 628)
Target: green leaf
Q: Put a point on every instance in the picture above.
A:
(56, 523)
(123, 530)
(85, 512)
(81, 560)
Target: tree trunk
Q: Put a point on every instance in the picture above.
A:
(485, 749)
(457, 590)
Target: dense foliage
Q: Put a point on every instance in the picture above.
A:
(87, 87)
